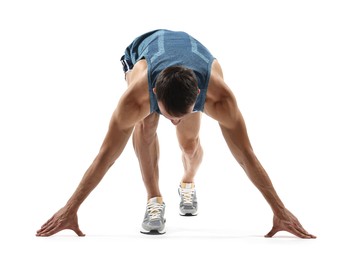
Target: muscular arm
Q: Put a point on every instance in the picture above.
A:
(120, 128)
(133, 106)
(222, 106)
(233, 128)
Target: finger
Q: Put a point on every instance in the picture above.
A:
(303, 231)
(38, 231)
(47, 223)
(42, 232)
(51, 231)
(43, 229)
(300, 227)
(297, 232)
(78, 231)
(272, 232)
(58, 229)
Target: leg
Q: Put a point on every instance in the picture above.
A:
(192, 152)
(146, 146)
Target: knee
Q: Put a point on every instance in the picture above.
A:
(191, 147)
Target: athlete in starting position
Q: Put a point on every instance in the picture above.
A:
(172, 74)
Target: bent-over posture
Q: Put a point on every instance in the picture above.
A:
(172, 74)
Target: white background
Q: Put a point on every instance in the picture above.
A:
(60, 80)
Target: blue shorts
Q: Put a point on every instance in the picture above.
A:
(127, 64)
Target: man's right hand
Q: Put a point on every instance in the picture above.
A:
(61, 220)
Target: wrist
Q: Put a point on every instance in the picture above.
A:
(72, 206)
(280, 211)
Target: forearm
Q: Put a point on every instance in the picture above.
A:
(240, 147)
(111, 149)
(90, 180)
(261, 180)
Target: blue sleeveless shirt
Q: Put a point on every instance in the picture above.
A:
(165, 48)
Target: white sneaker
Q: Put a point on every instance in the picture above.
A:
(188, 205)
(154, 221)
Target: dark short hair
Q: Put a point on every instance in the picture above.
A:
(177, 89)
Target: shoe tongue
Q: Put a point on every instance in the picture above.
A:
(187, 185)
(155, 200)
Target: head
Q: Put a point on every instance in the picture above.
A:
(176, 91)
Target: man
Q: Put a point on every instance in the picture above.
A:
(172, 74)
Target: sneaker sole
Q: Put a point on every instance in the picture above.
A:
(188, 214)
(153, 232)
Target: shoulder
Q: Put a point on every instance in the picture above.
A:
(138, 74)
(134, 104)
(218, 90)
(220, 102)
(137, 81)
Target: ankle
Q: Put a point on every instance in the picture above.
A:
(157, 199)
(188, 185)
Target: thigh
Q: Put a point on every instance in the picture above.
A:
(188, 128)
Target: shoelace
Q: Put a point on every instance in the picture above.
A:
(187, 195)
(154, 210)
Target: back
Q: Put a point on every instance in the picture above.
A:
(165, 48)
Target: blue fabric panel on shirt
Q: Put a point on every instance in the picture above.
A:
(165, 48)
